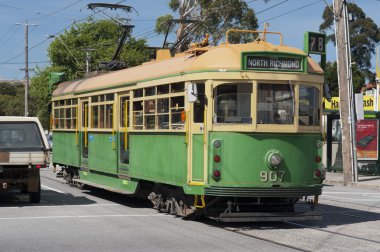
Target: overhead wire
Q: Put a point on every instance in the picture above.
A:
(59, 10)
(43, 41)
(286, 13)
(271, 7)
(149, 34)
(3, 43)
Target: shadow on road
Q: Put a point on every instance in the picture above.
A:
(48, 198)
(331, 216)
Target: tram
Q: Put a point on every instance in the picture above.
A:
(231, 132)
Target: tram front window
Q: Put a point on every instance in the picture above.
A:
(275, 104)
(233, 103)
(309, 106)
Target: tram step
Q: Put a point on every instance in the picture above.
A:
(267, 217)
(111, 189)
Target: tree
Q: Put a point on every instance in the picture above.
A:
(331, 78)
(11, 99)
(40, 94)
(68, 50)
(214, 17)
(364, 34)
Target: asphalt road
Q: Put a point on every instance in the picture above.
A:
(351, 222)
(70, 219)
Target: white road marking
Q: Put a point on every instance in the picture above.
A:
(350, 193)
(68, 205)
(51, 189)
(83, 216)
(349, 199)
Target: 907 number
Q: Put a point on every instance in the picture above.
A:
(272, 176)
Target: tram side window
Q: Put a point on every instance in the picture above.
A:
(199, 105)
(102, 111)
(309, 111)
(138, 115)
(163, 113)
(150, 117)
(64, 114)
(177, 104)
(124, 104)
(124, 115)
(233, 103)
(275, 104)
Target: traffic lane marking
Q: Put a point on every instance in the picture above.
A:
(350, 193)
(350, 199)
(83, 216)
(67, 205)
(52, 189)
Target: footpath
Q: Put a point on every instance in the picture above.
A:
(364, 181)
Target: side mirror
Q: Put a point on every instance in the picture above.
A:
(192, 93)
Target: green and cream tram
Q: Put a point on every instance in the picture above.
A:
(232, 132)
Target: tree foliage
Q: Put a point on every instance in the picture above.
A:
(331, 78)
(68, 50)
(40, 94)
(12, 99)
(216, 17)
(364, 35)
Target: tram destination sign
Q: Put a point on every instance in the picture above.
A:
(273, 63)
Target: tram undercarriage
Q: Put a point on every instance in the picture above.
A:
(231, 209)
(172, 200)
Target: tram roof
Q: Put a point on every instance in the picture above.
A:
(212, 59)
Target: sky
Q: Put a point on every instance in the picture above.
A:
(50, 17)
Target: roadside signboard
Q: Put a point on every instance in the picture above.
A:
(367, 139)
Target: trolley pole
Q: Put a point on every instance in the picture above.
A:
(347, 114)
(88, 58)
(26, 69)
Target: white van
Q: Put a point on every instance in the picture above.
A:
(24, 150)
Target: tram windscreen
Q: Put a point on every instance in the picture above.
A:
(233, 103)
(309, 106)
(275, 103)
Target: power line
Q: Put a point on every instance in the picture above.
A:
(11, 36)
(286, 13)
(43, 41)
(59, 10)
(271, 7)
(31, 62)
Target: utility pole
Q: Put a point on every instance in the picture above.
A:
(26, 69)
(347, 115)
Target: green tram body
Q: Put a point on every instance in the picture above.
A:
(202, 156)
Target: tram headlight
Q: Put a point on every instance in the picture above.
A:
(274, 158)
(217, 143)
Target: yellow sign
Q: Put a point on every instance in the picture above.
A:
(333, 104)
(377, 64)
(368, 103)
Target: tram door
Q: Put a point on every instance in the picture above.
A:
(84, 133)
(123, 163)
(195, 122)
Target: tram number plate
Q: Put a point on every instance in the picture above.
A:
(272, 176)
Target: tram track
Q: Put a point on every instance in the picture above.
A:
(300, 232)
(266, 240)
(350, 203)
(331, 232)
